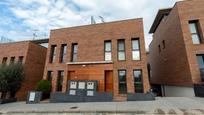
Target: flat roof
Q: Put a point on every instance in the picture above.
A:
(40, 41)
(98, 24)
(158, 18)
(37, 41)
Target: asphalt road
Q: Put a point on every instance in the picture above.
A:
(166, 105)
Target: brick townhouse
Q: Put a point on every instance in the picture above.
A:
(177, 49)
(32, 55)
(113, 53)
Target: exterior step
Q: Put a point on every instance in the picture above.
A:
(120, 98)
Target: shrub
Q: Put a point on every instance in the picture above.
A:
(45, 87)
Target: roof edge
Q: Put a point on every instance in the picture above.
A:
(158, 18)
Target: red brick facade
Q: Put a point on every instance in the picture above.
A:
(176, 64)
(90, 40)
(33, 60)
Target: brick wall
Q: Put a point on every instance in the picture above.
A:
(33, 59)
(177, 64)
(90, 39)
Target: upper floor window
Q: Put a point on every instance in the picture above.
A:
(4, 61)
(20, 59)
(196, 37)
(108, 55)
(121, 49)
(53, 53)
(163, 44)
(74, 52)
(63, 53)
(159, 47)
(12, 60)
(135, 49)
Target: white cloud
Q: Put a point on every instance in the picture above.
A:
(51, 14)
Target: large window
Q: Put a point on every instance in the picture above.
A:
(138, 81)
(121, 49)
(122, 81)
(60, 80)
(63, 53)
(4, 61)
(164, 44)
(200, 60)
(49, 76)
(108, 55)
(53, 53)
(196, 37)
(20, 59)
(135, 49)
(12, 60)
(74, 52)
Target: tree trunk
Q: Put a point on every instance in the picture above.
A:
(3, 95)
(12, 94)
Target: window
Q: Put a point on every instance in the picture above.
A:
(63, 53)
(20, 59)
(74, 52)
(108, 55)
(196, 37)
(138, 81)
(164, 17)
(4, 61)
(200, 60)
(121, 49)
(12, 60)
(135, 49)
(122, 81)
(49, 76)
(60, 80)
(53, 53)
(164, 45)
(159, 47)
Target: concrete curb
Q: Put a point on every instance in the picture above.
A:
(60, 112)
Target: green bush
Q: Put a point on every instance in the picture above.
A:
(44, 86)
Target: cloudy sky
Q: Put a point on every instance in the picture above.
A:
(19, 19)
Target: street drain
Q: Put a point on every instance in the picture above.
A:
(75, 107)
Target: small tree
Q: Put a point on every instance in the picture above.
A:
(11, 77)
(3, 81)
(44, 86)
(15, 78)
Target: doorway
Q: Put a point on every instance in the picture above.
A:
(108, 81)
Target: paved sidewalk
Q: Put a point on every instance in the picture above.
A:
(167, 105)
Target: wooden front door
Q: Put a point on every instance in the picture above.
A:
(108, 81)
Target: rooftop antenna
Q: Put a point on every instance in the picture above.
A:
(93, 20)
(102, 19)
(35, 33)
